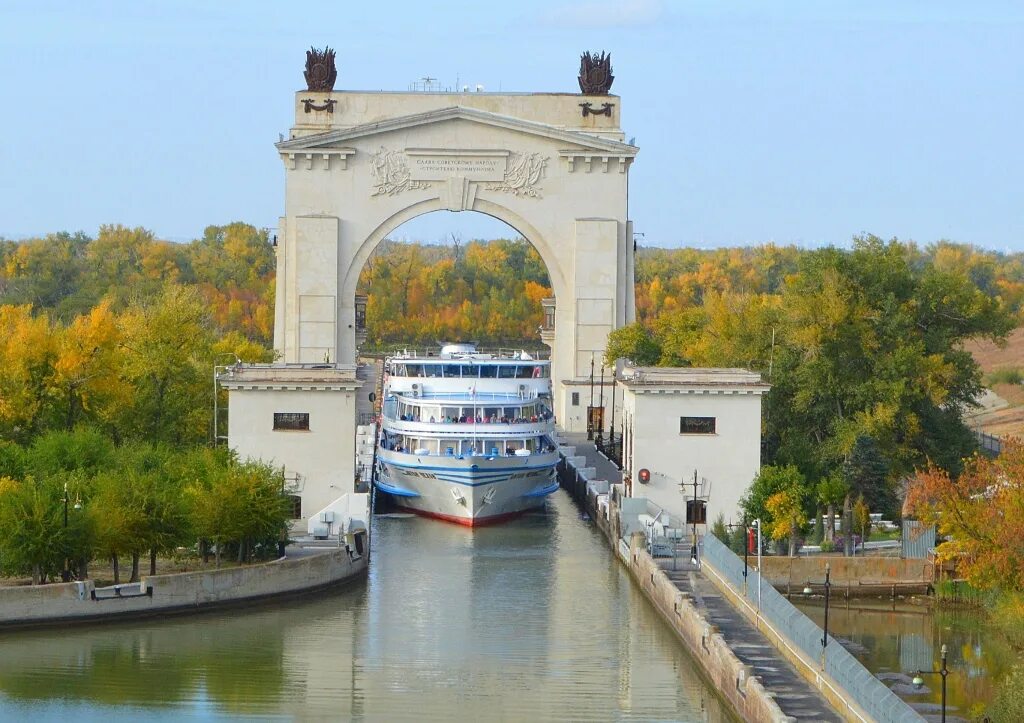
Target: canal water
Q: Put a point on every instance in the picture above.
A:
(895, 642)
(533, 619)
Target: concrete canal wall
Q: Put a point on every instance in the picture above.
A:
(732, 680)
(183, 592)
(863, 698)
(850, 576)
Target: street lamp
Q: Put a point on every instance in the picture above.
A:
(217, 368)
(828, 591)
(943, 671)
(65, 574)
(759, 568)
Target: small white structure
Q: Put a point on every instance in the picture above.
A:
(678, 420)
(300, 417)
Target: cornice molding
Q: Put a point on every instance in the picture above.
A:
(329, 139)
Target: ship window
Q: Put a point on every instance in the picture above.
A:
(469, 372)
(507, 371)
(413, 370)
(432, 370)
(488, 372)
(452, 371)
(523, 371)
(575, 399)
(291, 421)
(696, 425)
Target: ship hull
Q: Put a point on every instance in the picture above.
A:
(470, 491)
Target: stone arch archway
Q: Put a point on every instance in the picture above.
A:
(358, 165)
(420, 208)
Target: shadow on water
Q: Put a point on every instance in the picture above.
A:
(894, 643)
(530, 619)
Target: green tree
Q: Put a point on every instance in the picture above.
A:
(831, 491)
(243, 504)
(770, 481)
(633, 342)
(32, 535)
(867, 475)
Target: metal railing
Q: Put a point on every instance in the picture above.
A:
(989, 443)
(852, 681)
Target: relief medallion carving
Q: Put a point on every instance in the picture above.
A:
(414, 169)
(524, 172)
(391, 173)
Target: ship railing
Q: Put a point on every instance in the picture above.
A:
(508, 353)
(442, 397)
(491, 453)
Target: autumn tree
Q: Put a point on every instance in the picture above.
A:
(166, 345)
(980, 515)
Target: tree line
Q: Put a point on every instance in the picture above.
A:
(70, 498)
(864, 352)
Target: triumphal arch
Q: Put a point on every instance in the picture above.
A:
(554, 166)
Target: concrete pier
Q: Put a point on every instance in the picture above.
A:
(748, 671)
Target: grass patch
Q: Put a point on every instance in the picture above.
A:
(961, 592)
(1006, 375)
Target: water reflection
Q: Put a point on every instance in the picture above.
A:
(894, 644)
(533, 619)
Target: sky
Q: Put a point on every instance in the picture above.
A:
(795, 121)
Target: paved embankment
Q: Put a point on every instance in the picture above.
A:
(747, 671)
(304, 571)
(794, 696)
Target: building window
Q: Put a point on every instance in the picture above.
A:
(291, 420)
(575, 399)
(295, 506)
(696, 425)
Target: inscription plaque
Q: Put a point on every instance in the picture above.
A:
(435, 165)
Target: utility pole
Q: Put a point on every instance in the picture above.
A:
(600, 429)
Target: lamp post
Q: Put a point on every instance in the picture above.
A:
(828, 591)
(758, 523)
(943, 671)
(217, 368)
(590, 409)
(65, 574)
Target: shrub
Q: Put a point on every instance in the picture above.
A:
(1008, 703)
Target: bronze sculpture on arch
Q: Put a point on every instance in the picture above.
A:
(320, 70)
(596, 73)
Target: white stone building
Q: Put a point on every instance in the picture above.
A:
(679, 420)
(300, 417)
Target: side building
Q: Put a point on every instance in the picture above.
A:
(677, 421)
(299, 417)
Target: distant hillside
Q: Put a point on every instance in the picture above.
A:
(1008, 421)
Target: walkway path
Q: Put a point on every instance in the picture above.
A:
(794, 695)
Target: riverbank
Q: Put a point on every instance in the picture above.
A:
(299, 572)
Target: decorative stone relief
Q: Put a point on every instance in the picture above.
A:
(523, 173)
(391, 173)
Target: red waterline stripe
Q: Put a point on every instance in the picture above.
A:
(466, 521)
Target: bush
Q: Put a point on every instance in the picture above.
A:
(828, 546)
(1008, 703)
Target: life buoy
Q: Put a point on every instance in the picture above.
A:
(536, 372)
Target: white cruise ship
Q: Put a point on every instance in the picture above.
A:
(465, 436)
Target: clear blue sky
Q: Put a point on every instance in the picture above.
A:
(790, 121)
